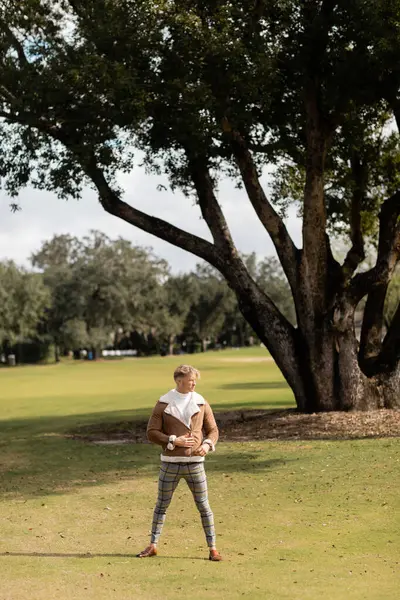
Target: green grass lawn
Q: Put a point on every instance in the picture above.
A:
(295, 520)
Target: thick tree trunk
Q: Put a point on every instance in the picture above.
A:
(389, 388)
(334, 381)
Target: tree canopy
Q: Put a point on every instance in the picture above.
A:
(24, 300)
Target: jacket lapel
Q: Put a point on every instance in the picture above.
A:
(173, 410)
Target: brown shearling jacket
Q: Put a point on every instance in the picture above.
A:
(161, 425)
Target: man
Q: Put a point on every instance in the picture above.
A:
(177, 424)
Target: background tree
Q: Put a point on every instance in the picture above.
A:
(179, 293)
(208, 310)
(220, 88)
(99, 285)
(269, 275)
(24, 300)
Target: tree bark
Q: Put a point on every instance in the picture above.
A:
(352, 389)
(390, 353)
(56, 353)
(171, 345)
(389, 387)
(388, 256)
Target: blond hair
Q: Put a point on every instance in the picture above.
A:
(184, 370)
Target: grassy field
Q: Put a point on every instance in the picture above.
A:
(295, 520)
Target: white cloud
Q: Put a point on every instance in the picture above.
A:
(44, 215)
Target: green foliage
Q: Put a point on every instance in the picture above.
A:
(364, 159)
(98, 286)
(73, 334)
(24, 300)
(207, 312)
(81, 77)
(214, 314)
(100, 76)
(269, 275)
(177, 296)
(96, 292)
(32, 351)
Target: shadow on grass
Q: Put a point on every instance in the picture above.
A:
(251, 404)
(60, 424)
(66, 555)
(38, 459)
(89, 555)
(255, 385)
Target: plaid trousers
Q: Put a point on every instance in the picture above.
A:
(195, 476)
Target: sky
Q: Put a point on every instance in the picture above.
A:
(43, 215)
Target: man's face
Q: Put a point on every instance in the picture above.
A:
(186, 384)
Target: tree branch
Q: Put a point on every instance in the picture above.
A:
(372, 327)
(15, 43)
(41, 123)
(356, 253)
(318, 133)
(388, 252)
(280, 337)
(111, 202)
(390, 353)
(286, 249)
(315, 250)
(378, 280)
(8, 97)
(209, 205)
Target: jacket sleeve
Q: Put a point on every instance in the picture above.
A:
(155, 433)
(210, 426)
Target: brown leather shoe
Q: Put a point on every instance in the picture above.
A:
(215, 556)
(147, 552)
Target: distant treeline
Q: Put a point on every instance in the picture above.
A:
(96, 293)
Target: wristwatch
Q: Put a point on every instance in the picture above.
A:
(210, 444)
(171, 442)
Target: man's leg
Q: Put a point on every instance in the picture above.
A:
(196, 479)
(168, 480)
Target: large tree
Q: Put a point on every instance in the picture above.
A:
(210, 89)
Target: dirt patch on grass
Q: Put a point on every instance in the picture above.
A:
(289, 424)
(249, 425)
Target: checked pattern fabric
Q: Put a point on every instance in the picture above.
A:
(195, 476)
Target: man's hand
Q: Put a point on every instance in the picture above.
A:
(205, 449)
(185, 441)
